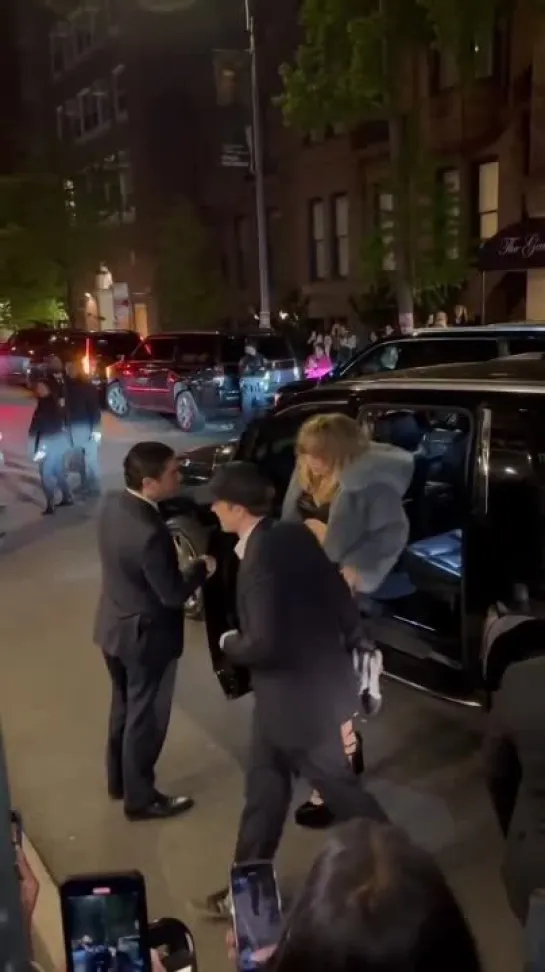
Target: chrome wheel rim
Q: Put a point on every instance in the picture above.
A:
(184, 412)
(116, 400)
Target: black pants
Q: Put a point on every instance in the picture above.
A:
(269, 777)
(139, 718)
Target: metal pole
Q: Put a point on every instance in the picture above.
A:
(261, 210)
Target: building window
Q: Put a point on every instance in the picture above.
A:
(488, 198)
(451, 184)
(121, 102)
(73, 119)
(241, 240)
(83, 27)
(317, 239)
(385, 222)
(341, 250)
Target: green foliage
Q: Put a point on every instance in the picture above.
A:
(188, 283)
(51, 230)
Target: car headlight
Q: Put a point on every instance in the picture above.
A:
(277, 398)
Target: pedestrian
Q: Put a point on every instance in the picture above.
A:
(296, 640)
(515, 752)
(84, 417)
(49, 445)
(441, 320)
(319, 364)
(374, 902)
(251, 368)
(349, 491)
(140, 626)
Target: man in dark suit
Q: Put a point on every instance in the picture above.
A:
(84, 418)
(140, 626)
(298, 626)
(515, 758)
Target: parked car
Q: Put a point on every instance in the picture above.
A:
(475, 506)
(195, 375)
(17, 352)
(428, 347)
(98, 351)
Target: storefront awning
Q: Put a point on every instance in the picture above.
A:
(518, 247)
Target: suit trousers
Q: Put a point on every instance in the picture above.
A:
(139, 717)
(269, 780)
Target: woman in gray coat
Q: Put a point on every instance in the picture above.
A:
(348, 490)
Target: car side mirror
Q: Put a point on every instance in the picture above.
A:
(174, 943)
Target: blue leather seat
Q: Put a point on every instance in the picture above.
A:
(440, 556)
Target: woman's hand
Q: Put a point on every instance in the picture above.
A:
(318, 528)
(29, 887)
(352, 578)
(261, 956)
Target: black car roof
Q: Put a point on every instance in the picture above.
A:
(473, 331)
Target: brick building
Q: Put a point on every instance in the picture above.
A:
(138, 89)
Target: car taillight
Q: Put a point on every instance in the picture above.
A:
(86, 364)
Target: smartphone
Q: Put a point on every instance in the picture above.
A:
(534, 934)
(105, 923)
(16, 828)
(257, 912)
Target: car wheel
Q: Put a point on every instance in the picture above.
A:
(187, 414)
(116, 400)
(190, 541)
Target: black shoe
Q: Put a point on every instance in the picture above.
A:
(115, 793)
(162, 809)
(67, 501)
(314, 816)
(216, 907)
(49, 511)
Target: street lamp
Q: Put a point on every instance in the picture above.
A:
(257, 151)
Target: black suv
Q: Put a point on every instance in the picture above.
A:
(26, 354)
(194, 375)
(475, 507)
(429, 347)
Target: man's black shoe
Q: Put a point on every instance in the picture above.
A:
(162, 808)
(114, 793)
(49, 511)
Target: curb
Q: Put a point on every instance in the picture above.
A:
(46, 925)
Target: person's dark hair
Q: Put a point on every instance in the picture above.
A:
(146, 460)
(374, 902)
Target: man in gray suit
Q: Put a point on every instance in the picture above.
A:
(140, 626)
(298, 627)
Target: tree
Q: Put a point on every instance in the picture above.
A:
(52, 230)
(188, 282)
(354, 65)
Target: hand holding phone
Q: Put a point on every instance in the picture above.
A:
(105, 923)
(256, 912)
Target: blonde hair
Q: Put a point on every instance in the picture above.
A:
(338, 441)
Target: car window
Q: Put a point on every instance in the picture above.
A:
(528, 344)
(155, 349)
(196, 349)
(399, 355)
(271, 346)
(115, 345)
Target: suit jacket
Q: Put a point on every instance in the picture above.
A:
(140, 610)
(515, 770)
(298, 626)
(82, 408)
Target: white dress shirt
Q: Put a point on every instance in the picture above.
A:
(143, 498)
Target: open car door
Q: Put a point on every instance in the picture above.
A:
(220, 611)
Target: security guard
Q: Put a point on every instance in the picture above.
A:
(251, 370)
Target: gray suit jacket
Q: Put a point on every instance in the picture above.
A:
(298, 626)
(515, 769)
(140, 610)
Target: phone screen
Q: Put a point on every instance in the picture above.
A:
(105, 924)
(257, 914)
(534, 934)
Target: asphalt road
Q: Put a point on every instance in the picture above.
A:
(423, 755)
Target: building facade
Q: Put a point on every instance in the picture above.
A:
(137, 93)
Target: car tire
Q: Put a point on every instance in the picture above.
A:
(188, 416)
(117, 401)
(190, 541)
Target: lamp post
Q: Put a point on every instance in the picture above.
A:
(257, 151)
